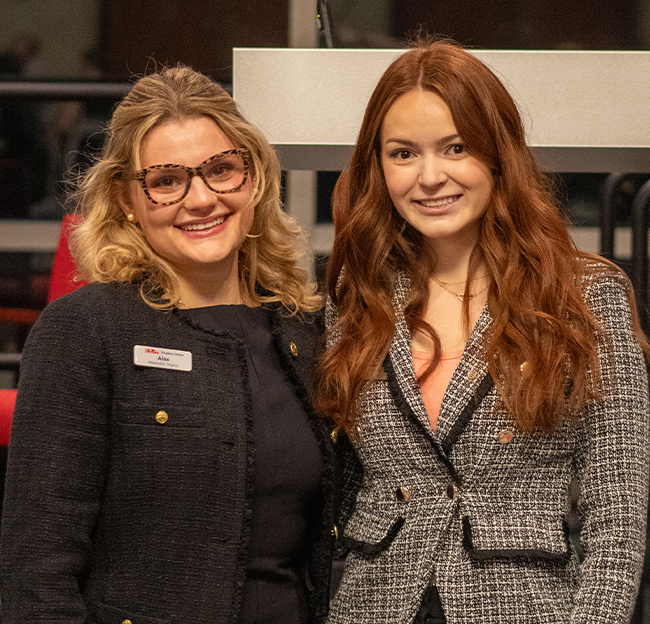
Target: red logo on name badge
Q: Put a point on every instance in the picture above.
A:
(150, 351)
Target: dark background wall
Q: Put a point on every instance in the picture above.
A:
(199, 33)
(517, 24)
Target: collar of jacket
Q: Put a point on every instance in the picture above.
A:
(467, 388)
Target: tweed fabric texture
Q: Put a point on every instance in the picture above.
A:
(495, 544)
(111, 515)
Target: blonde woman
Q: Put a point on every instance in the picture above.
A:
(166, 463)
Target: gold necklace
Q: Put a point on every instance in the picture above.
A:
(457, 283)
(460, 296)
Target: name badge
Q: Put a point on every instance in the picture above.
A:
(156, 357)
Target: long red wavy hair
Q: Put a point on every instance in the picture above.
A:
(535, 298)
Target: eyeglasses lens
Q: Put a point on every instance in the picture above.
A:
(221, 174)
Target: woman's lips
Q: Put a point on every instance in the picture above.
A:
(198, 227)
(438, 203)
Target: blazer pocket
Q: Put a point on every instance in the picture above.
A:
(508, 537)
(370, 533)
(111, 615)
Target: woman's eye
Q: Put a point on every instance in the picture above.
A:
(221, 170)
(161, 179)
(457, 149)
(402, 154)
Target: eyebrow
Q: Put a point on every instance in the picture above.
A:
(451, 137)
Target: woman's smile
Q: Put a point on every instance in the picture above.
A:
(438, 202)
(204, 225)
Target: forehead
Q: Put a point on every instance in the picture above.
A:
(188, 141)
(417, 113)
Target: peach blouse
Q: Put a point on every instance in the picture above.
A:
(434, 387)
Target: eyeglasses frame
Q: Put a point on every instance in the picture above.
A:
(141, 174)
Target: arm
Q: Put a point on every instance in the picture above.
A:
(612, 467)
(56, 470)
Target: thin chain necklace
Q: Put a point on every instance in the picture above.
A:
(461, 296)
(463, 281)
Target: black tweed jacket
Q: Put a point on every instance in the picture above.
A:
(128, 492)
(478, 506)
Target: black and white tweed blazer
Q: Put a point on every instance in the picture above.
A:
(478, 507)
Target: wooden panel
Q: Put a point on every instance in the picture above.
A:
(200, 33)
(531, 24)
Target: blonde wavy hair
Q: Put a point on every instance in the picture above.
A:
(107, 248)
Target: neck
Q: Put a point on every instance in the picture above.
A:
(207, 288)
(452, 262)
(191, 298)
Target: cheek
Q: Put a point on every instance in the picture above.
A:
(246, 210)
(480, 177)
(398, 181)
(154, 222)
(488, 189)
(248, 216)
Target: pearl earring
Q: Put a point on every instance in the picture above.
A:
(130, 217)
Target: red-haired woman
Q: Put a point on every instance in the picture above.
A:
(478, 363)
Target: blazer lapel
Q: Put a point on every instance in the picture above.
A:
(468, 386)
(399, 364)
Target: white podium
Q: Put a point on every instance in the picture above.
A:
(583, 111)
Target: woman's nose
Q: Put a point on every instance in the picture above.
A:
(433, 172)
(199, 194)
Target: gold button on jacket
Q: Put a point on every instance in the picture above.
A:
(402, 495)
(505, 435)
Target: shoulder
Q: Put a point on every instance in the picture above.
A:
(97, 296)
(309, 323)
(400, 288)
(609, 296)
(92, 311)
(606, 289)
(593, 270)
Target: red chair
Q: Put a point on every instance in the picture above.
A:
(63, 269)
(61, 283)
(7, 405)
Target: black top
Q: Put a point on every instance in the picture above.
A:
(287, 477)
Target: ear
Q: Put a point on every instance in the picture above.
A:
(121, 194)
